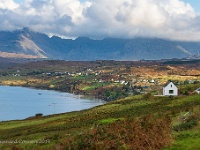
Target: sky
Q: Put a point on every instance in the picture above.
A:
(97, 19)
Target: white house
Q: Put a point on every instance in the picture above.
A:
(198, 90)
(170, 89)
(152, 81)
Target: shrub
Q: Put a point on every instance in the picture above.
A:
(146, 133)
(148, 96)
(187, 123)
(16, 148)
(39, 115)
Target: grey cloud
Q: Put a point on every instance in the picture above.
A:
(38, 3)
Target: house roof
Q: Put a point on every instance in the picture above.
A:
(169, 83)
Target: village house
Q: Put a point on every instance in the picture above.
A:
(152, 81)
(198, 91)
(170, 89)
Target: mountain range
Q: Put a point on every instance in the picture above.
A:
(26, 43)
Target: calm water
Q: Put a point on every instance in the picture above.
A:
(20, 102)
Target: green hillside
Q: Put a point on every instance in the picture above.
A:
(139, 122)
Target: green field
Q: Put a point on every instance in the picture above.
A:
(138, 120)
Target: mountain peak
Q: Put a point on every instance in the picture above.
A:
(29, 42)
(82, 38)
(26, 29)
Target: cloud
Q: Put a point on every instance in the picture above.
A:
(130, 18)
(8, 4)
(173, 19)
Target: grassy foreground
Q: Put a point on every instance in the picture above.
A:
(138, 122)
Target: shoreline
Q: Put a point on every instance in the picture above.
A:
(41, 106)
(77, 93)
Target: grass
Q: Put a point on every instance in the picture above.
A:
(94, 85)
(59, 128)
(109, 120)
(83, 77)
(187, 140)
(178, 77)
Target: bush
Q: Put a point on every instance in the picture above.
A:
(185, 126)
(187, 123)
(146, 133)
(16, 148)
(39, 115)
(148, 96)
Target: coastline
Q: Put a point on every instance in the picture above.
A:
(19, 103)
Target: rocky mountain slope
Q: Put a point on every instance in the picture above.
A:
(26, 43)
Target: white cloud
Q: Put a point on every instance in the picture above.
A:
(8, 4)
(172, 19)
(71, 8)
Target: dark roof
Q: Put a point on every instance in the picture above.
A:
(168, 83)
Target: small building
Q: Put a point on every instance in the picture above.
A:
(152, 81)
(197, 90)
(170, 89)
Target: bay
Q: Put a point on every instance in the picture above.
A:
(20, 102)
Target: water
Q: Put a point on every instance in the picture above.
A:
(20, 103)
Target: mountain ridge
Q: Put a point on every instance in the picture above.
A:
(38, 45)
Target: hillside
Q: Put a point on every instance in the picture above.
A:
(26, 43)
(138, 122)
(127, 122)
(108, 80)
